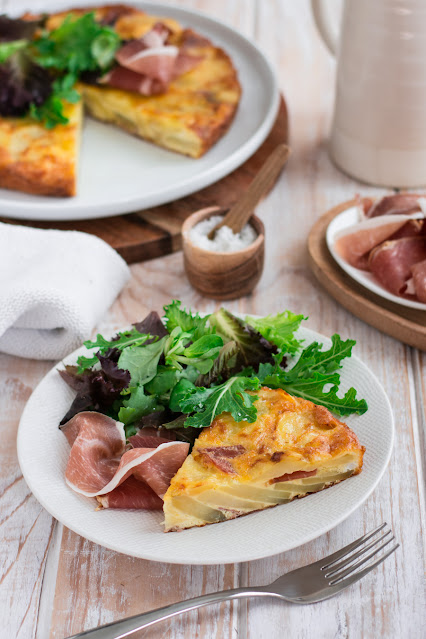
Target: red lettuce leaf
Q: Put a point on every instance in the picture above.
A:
(152, 325)
(96, 389)
(22, 83)
(16, 29)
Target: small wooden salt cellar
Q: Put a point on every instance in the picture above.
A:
(223, 275)
(227, 275)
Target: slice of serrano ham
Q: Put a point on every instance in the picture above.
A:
(158, 62)
(133, 494)
(219, 456)
(392, 262)
(147, 65)
(140, 440)
(98, 464)
(353, 244)
(419, 280)
(156, 466)
(410, 229)
(97, 443)
(121, 78)
(298, 474)
(397, 204)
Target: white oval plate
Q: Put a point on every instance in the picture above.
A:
(120, 173)
(339, 223)
(43, 453)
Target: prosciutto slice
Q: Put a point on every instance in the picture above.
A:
(185, 62)
(122, 78)
(397, 204)
(298, 474)
(97, 443)
(410, 229)
(147, 65)
(355, 243)
(157, 63)
(219, 456)
(157, 36)
(148, 440)
(98, 463)
(392, 262)
(133, 494)
(419, 280)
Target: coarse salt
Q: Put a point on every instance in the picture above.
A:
(225, 240)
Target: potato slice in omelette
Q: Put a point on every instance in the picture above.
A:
(41, 161)
(293, 448)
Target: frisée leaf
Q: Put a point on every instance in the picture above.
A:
(180, 350)
(192, 323)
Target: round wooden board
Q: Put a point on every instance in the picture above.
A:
(405, 324)
(144, 235)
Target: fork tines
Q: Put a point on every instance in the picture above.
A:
(341, 564)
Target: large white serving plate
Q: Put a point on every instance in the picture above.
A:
(345, 220)
(43, 454)
(120, 173)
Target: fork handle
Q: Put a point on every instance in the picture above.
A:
(125, 627)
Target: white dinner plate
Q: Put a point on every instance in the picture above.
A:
(120, 173)
(339, 223)
(43, 453)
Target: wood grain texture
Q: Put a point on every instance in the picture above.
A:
(136, 586)
(25, 527)
(405, 324)
(84, 584)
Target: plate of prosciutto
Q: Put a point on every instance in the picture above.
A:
(382, 245)
(106, 435)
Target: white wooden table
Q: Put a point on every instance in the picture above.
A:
(54, 583)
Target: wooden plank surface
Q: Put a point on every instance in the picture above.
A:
(52, 582)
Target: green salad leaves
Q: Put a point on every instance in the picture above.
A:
(39, 69)
(231, 397)
(314, 377)
(184, 370)
(77, 45)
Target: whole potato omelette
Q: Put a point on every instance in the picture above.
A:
(188, 118)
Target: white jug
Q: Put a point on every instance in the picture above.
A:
(379, 126)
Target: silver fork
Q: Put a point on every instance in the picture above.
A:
(305, 585)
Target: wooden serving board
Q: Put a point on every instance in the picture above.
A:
(143, 235)
(405, 324)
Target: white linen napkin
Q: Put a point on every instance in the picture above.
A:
(54, 288)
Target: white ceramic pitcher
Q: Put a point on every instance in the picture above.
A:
(379, 126)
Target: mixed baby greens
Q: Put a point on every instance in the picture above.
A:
(180, 373)
(38, 68)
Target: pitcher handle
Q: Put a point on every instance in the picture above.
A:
(329, 32)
